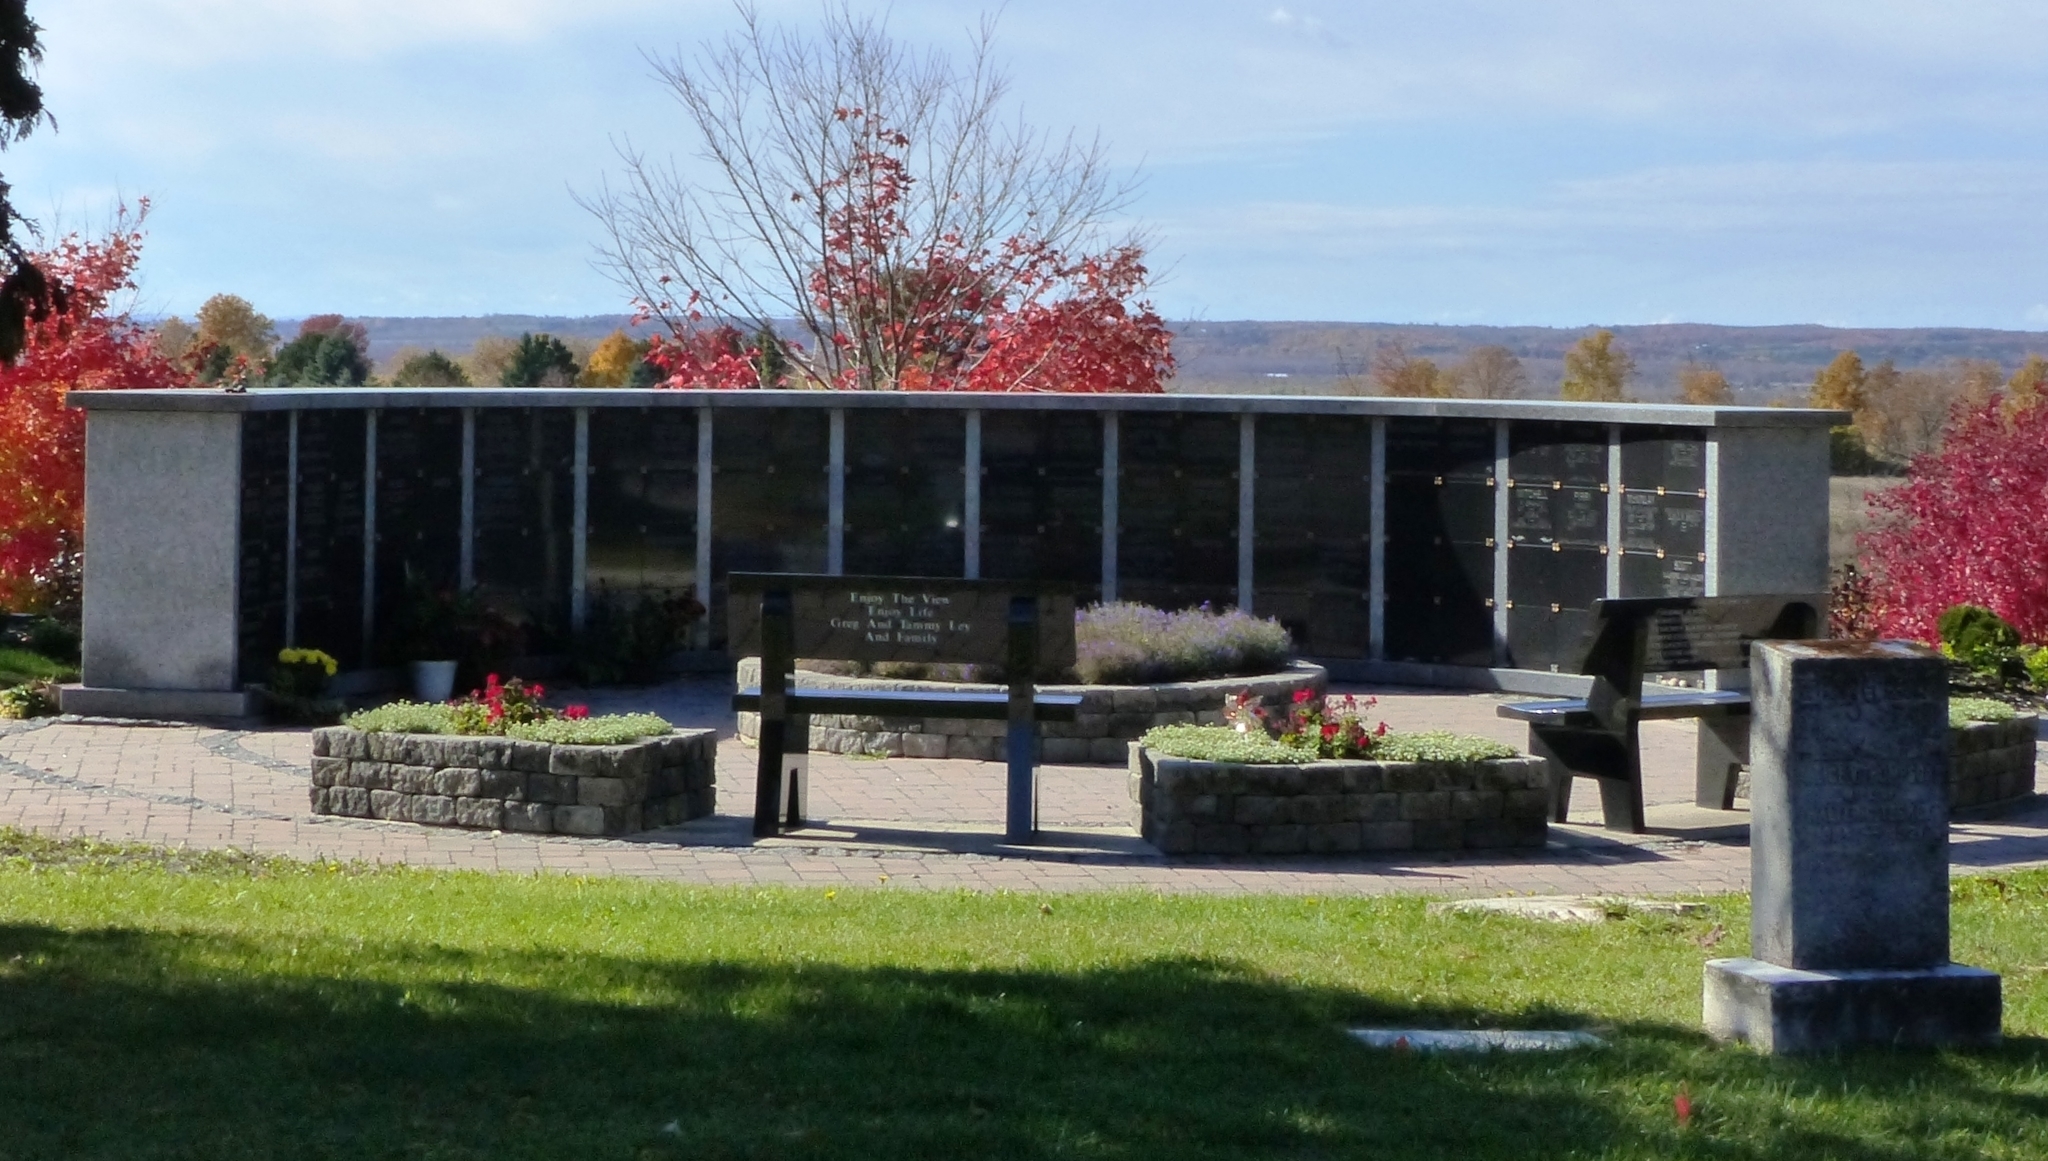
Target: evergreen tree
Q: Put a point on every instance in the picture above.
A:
(321, 358)
(26, 293)
(541, 361)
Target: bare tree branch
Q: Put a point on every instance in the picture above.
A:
(787, 124)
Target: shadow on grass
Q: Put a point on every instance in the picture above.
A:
(127, 1044)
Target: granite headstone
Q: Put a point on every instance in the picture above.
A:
(1849, 859)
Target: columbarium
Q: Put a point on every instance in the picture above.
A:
(1418, 540)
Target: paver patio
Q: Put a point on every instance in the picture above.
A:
(899, 822)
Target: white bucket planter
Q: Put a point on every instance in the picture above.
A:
(433, 680)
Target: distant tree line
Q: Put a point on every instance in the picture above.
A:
(1898, 414)
(1596, 370)
(231, 343)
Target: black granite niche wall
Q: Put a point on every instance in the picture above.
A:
(1557, 539)
(265, 544)
(1177, 509)
(905, 492)
(1663, 512)
(1041, 498)
(1440, 541)
(643, 503)
(769, 495)
(330, 570)
(1312, 530)
(525, 513)
(419, 516)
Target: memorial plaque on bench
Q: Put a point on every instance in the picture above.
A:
(1685, 635)
(925, 619)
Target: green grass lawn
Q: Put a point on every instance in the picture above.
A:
(155, 1004)
(22, 665)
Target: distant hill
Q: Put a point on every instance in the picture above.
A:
(1318, 357)
(1760, 362)
(455, 336)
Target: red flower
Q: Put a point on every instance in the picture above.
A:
(1301, 695)
(576, 713)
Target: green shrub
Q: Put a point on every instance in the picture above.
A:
(34, 699)
(2037, 666)
(1971, 631)
(609, 730)
(1964, 710)
(53, 639)
(1224, 744)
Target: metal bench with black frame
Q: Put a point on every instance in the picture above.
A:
(783, 616)
(1596, 736)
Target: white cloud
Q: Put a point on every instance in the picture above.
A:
(1457, 159)
(203, 33)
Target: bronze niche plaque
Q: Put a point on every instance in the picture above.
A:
(867, 618)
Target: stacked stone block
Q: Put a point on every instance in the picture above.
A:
(1109, 719)
(1188, 807)
(492, 783)
(1991, 762)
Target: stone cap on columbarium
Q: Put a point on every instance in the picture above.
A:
(1849, 878)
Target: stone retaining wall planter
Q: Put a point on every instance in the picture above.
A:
(1188, 807)
(1991, 762)
(1110, 718)
(492, 783)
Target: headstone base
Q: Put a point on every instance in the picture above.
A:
(1785, 1011)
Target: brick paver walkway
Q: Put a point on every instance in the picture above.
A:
(911, 822)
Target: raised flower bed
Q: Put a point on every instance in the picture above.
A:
(501, 759)
(1188, 806)
(1990, 761)
(493, 783)
(1313, 777)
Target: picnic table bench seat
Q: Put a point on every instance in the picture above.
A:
(977, 704)
(1661, 706)
(1597, 736)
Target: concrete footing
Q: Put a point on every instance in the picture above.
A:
(173, 704)
(1788, 1011)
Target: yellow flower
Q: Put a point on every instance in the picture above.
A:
(308, 657)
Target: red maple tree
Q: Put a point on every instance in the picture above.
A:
(1966, 527)
(83, 342)
(1016, 314)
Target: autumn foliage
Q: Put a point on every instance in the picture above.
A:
(85, 344)
(1967, 526)
(952, 314)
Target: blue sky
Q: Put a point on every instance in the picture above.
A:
(1860, 163)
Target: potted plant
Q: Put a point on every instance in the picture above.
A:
(429, 635)
(296, 692)
(435, 644)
